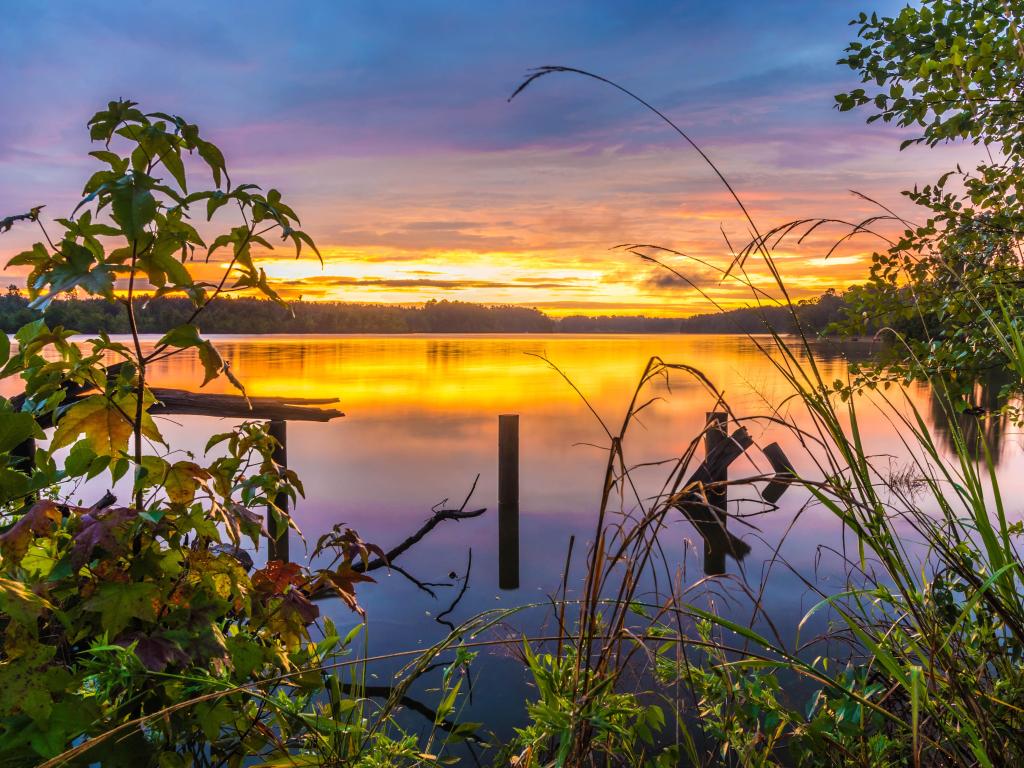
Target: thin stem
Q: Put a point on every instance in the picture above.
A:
(140, 388)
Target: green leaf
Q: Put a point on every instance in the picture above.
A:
(21, 604)
(448, 703)
(133, 208)
(215, 159)
(171, 159)
(187, 336)
(13, 485)
(16, 428)
(182, 481)
(118, 604)
(19, 684)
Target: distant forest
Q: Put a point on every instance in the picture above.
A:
(248, 315)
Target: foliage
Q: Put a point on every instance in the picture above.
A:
(614, 725)
(813, 316)
(921, 661)
(244, 314)
(953, 71)
(143, 629)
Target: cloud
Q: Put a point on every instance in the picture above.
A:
(428, 238)
(424, 282)
(662, 278)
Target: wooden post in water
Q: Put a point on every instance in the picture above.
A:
(718, 495)
(508, 501)
(784, 473)
(277, 525)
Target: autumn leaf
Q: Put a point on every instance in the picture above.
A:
(106, 423)
(222, 574)
(343, 581)
(156, 653)
(183, 480)
(301, 606)
(105, 427)
(289, 616)
(277, 576)
(98, 530)
(42, 518)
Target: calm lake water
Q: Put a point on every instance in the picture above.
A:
(421, 424)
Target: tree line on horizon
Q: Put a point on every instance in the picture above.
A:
(252, 315)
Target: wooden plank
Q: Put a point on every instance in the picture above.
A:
(784, 474)
(183, 402)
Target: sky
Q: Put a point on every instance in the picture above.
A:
(387, 126)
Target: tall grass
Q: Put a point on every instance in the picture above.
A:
(934, 674)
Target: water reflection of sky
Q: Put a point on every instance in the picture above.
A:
(421, 424)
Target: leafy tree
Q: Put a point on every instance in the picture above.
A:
(951, 283)
(147, 622)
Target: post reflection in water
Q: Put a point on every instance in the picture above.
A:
(984, 428)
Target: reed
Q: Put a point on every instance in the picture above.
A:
(931, 669)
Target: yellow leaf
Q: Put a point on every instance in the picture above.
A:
(106, 423)
(182, 481)
(106, 429)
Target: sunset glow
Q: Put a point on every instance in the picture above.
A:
(419, 181)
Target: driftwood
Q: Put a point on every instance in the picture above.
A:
(185, 403)
(438, 516)
(413, 705)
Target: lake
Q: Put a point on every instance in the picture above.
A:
(421, 424)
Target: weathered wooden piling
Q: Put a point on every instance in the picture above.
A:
(277, 524)
(508, 501)
(717, 494)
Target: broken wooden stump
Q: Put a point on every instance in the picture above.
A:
(704, 504)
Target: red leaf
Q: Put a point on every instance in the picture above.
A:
(277, 576)
(98, 530)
